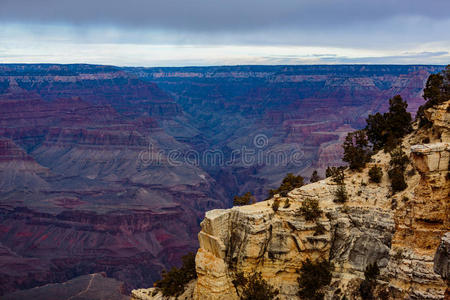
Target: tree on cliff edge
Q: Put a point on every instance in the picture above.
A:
(245, 199)
(314, 177)
(254, 287)
(173, 282)
(289, 183)
(436, 91)
(385, 130)
(356, 149)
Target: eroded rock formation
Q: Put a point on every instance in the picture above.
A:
(306, 109)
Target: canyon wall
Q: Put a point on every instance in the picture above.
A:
(304, 111)
(88, 179)
(84, 184)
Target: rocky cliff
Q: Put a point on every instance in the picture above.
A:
(400, 232)
(405, 233)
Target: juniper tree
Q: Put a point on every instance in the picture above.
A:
(356, 149)
(314, 177)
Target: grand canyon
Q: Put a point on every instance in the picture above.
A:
(102, 168)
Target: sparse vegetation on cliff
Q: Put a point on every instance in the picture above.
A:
(356, 150)
(336, 173)
(375, 174)
(399, 158)
(174, 281)
(340, 195)
(368, 285)
(310, 209)
(376, 130)
(276, 204)
(385, 130)
(436, 91)
(287, 203)
(245, 199)
(313, 277)
(289, 183)
(314, 177)
(398, 183)
(398, 164)
(319, 229)
(254, 287)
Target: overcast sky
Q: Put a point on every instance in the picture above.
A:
(225, 32)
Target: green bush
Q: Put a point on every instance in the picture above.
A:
(399, 158)
(336, 173)
(174, 281)
(372, 271)
(385, 130)
(394, 204)
(319, 229)
(328, 171)
(376, 130)
(366, 290)
(398, 182)
(398, 119)
(314, 177)
(276, 205)
(340, 195)
(254, 287)
(436, 91)
(398, 163)
(290, 182)
(313, 276)
(310, 209)
(375, 174)
(287, 204)
(245, 199)
(368, 285)
(356, 150)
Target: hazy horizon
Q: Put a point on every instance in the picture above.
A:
(221, 66)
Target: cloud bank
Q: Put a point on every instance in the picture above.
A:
(214, 31)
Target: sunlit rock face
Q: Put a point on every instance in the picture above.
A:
(431, 157)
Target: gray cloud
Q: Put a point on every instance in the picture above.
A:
(405, 58)
(211, 31)
(206, 15)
